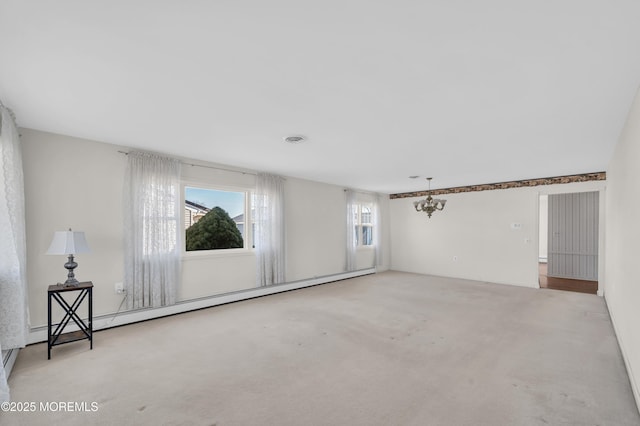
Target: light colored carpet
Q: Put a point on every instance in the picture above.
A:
(387, 349)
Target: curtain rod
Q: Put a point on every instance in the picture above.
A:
(206, 167)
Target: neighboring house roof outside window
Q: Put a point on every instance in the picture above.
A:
(196, 207)
(239, 218)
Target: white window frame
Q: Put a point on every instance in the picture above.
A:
(247, 238)
(360, 225)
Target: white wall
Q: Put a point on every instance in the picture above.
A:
(622, 286)
(71, 182)
(316, 229)
(475, 229)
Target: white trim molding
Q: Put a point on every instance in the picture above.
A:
(9, 359)
(102, 322)
(625, 356)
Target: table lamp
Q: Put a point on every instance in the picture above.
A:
(69, 243)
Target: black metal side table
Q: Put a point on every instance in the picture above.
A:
(86, 328)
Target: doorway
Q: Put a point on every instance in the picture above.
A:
(568, 242)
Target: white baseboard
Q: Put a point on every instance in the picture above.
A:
(625, 357)
(39, 334)
(8, 359)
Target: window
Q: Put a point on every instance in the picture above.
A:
(364, 225)
(214, 219)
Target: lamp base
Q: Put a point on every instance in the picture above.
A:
(70, 283)
(71, 278)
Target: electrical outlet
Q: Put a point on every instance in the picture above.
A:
(119, 288)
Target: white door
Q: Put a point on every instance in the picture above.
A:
(573, 236)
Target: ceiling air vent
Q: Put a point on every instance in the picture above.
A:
(294, 139)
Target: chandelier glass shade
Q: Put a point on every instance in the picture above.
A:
(429, 204)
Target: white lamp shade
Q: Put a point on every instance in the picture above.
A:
(68, 242)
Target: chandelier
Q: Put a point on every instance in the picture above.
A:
(429, 204)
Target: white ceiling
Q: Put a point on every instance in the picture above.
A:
(467, 92)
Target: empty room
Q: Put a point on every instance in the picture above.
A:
(319, 213)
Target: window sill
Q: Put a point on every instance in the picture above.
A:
(214, 254)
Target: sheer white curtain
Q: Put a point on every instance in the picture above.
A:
(269, 235)
(352, 221)
(152, 236)
(14, 310)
